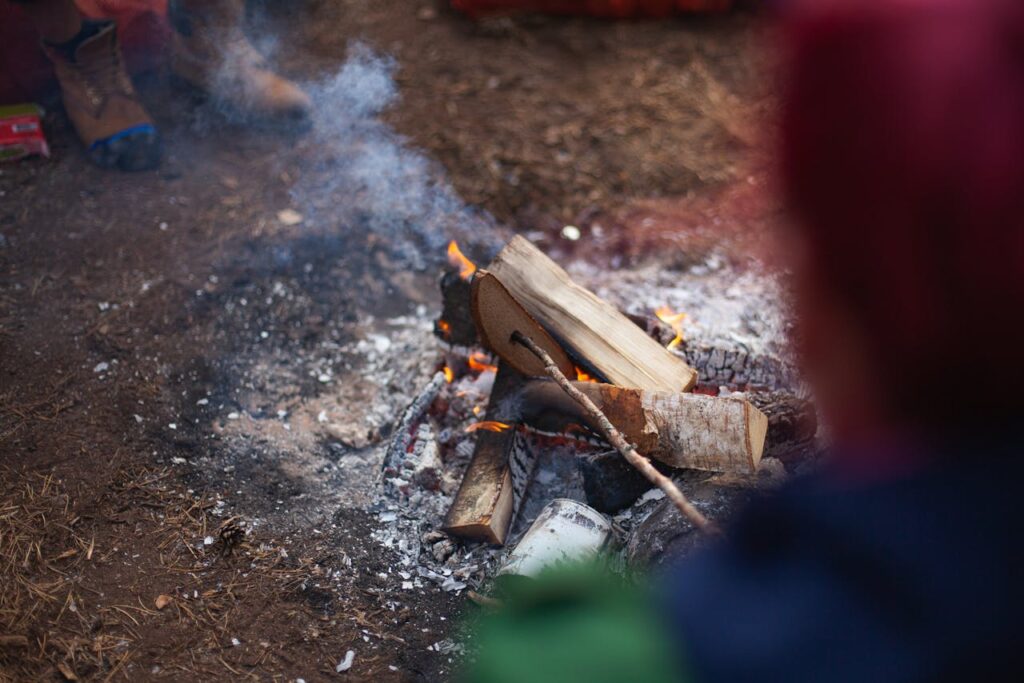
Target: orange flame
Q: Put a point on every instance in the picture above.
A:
(477, 410)
(487, 425)
(445, 327)
(478, 362)
(459, 260)
(673, 320)
(582, 376)
(449, 374)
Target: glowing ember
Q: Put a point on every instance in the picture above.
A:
(445, 327)
(673, 320)
(458, 260)
(449, 374)
(477, 410)
(478, 362)
(487, 426)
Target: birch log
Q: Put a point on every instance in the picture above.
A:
(681, 430)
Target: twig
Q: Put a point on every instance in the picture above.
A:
(615, 438)
(484, 600)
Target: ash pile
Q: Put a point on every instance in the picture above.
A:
(494, 468)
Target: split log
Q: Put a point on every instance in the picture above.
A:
(498, 316)
(499, 472)
(592, 329)
(681, 430)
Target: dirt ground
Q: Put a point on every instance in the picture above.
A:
(170, 343)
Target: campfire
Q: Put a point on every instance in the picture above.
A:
(543, 363)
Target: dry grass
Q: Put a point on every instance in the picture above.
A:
(117, 583)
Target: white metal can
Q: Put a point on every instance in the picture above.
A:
(564, 531)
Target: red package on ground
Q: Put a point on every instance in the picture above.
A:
(26, 74)
(607, 9)
(21, 132)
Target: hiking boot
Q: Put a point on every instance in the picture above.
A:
(210, 52)
(101, 102)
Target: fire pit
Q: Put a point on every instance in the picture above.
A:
(490, 440)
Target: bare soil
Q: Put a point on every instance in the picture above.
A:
(168, 344)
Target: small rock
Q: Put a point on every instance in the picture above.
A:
(162, 601)
(346, 664)
(289, 217)
(352, 435)
(451, 584)
(442, 550)
(434, 537)
(610, 482)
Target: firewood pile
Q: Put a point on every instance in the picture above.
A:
(557, 369)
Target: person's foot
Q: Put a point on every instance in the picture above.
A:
(101, 102)
(211, 53)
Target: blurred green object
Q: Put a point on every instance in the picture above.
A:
(573, 623)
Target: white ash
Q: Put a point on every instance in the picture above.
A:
(736, 324)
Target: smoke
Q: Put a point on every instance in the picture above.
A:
(351, 171)
(356, 170)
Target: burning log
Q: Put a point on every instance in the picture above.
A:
(403, 433)
(681, 430)
(595, 331)
(456, 324)
(499, 472)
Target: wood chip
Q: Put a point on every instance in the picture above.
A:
(67, 672)
(163, 600)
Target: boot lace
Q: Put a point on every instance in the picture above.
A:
(103, 74)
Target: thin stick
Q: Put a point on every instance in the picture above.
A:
(616, 439)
